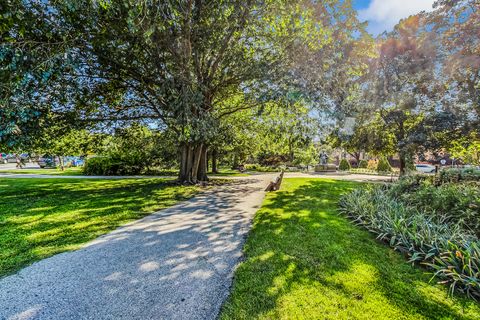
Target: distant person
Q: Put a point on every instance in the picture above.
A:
(20, 162)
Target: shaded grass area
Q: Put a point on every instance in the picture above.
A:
(77, 171)
(304, 261)
(42, 217)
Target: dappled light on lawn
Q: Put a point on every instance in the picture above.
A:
(304, 260)
(42, 217)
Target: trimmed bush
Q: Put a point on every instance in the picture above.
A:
(363, 164)
(344, 165)
(384, 165)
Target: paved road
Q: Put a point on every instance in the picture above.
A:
(175, 264)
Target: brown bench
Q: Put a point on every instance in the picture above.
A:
(274, 185)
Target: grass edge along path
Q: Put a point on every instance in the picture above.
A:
(305, 261)
(43, 217)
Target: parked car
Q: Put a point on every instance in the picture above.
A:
(46, 162)
(3, 158)
(11, 158)
(425, 167)
(74, 161)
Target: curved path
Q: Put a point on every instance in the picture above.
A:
(177, 263)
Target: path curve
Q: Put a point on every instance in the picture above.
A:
(177, 263)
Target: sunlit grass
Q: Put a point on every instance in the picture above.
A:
(76, 171)
(42, 217)
(304, 261)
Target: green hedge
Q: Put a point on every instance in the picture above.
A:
(107, 166)
(363, 164)
(344, 165)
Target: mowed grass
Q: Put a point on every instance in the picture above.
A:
(304, 261)
(76, 171)
(42, 217)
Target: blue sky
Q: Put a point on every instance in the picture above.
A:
(384, 14)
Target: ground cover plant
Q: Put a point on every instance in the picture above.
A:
(42, 217)
(305, 261)
(435, 223)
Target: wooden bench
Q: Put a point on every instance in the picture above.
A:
(274, 185)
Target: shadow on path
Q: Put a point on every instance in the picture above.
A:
(174, 264)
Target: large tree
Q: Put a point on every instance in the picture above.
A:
(456, 25)
(173, 63)
(399, 79)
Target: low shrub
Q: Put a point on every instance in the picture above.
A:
(363, 171)
(383, 165)
(344, 165)
(409, 183)
(133, 150)
(100, 166)
(452, 202)
(108, 166)
(363, 164)
(440, 240)
(456, 175)
(260, 168)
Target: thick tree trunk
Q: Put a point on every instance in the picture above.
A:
(182, 175)
(202, 167)
(193, 164)
(207, 161)
(214, 161)
(186, 164)
(197, 156)
(61, 163)
(235, 161)
(402, 163)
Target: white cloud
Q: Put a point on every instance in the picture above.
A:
(385, 14)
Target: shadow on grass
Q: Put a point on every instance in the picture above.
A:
(42, 217)
(163, 266)
(303, 260)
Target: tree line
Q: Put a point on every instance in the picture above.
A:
(238, 77)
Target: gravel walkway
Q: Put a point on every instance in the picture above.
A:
(174, 264)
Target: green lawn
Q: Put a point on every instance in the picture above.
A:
(304, 261)
(42, 217)
(77, 171)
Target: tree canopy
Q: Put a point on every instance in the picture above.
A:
(207, 72)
